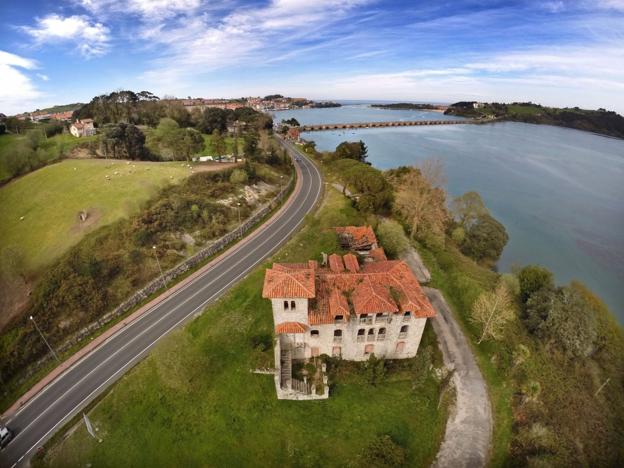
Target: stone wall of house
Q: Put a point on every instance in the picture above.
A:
(298, 314)
(170, 275)
(352, 348)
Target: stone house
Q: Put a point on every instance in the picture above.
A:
(346, 309)
(81, 128)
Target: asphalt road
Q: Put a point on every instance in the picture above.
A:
(42, 416)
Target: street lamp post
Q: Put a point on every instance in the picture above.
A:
(44, 339)
(281, 183)
(238, 205)
(159, 268)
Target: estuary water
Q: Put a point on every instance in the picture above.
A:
(559, 192)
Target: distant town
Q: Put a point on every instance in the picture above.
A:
(273, 102)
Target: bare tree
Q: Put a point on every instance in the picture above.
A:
(492, 311)
(421, 199)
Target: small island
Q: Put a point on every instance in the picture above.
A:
(597, 121)
(411, 106)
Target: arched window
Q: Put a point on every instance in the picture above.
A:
(293, 305)
(314, 333)
(371, 335)
(337, 332)
(337, 336)
(407, 316)
(338, 319)
(403, 332)
(381, 334)
(285, 305)
(360, 334)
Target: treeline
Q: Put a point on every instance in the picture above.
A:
(145, 108)
(35, 146)
(597, 121)
(110, 264)
(177, 136)
(406, 106)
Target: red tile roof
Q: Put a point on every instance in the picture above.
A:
(386, 286)
(357, 237)
(351, 262)
(335, 263)
(378, 254)
(290, 327)
(280, 282)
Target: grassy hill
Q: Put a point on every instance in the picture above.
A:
(597, 121)
(50, 199)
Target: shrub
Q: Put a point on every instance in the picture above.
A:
(532, 278)
(383, 452)
(239, 176)
(392, 237)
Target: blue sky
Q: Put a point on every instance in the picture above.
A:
(554, 52)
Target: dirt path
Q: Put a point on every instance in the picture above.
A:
(469, 428)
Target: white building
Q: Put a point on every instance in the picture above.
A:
(82, 128)
(347, 309)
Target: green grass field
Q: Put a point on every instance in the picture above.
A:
(50, 199)
(194, 401)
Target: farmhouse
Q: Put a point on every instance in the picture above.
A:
(81, 128)
(347, 309)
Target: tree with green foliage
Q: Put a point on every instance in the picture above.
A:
(392, 237)
(485, 239)
(292, 122)
(468, 208)
(218, 144)
(189, 142)
(213, 119)
(123, 141)
(372, 192)
(538, 308)
(250, 147)
(351, 150)
(533, 278)
(572, 323)
(239, 176)
(383, 452)
(492, 311)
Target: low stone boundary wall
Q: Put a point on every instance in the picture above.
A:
(169, 275)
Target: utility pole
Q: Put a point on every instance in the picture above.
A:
(44, 339)
(161, 272)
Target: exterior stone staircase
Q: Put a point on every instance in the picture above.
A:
(285, 368)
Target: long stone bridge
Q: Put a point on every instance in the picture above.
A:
(398, 123)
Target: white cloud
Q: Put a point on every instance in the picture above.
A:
(151, 10)
(584, 76)
(91, 38)
(43, 77)
(17, 91)
(255, 35)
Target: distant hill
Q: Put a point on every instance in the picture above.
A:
(598, 121)
(61, 108)
(409, 106)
